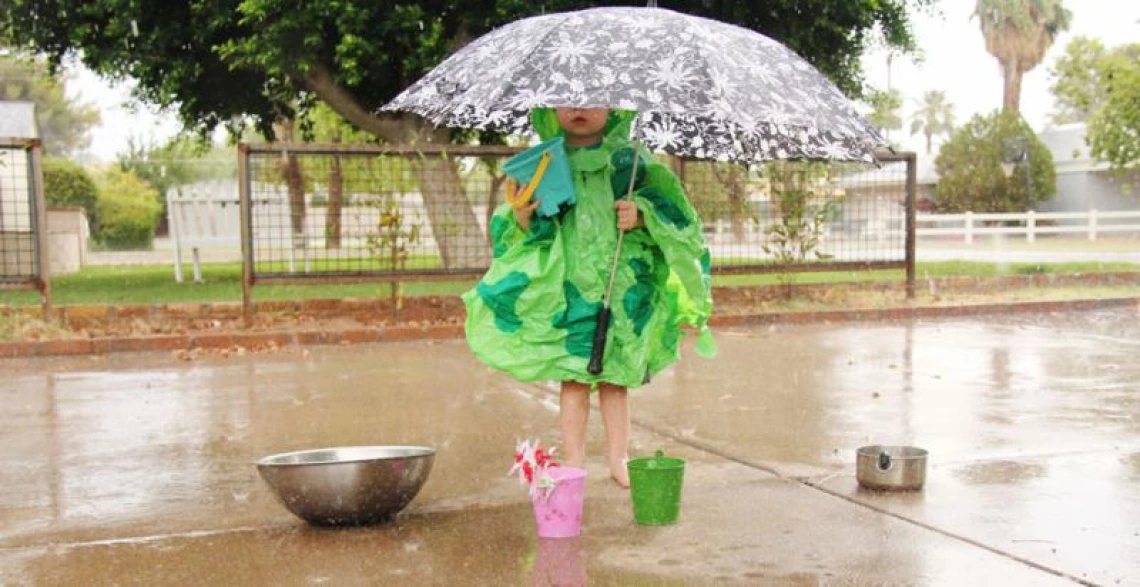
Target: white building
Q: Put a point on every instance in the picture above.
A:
(1083, 183)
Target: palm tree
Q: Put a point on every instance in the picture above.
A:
(885, 111)
(1018, 33)
(935, 116)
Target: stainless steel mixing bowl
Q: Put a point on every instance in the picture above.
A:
(352, 485)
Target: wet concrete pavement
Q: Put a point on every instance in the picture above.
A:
(135, 469)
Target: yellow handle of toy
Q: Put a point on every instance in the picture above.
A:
(519, 199)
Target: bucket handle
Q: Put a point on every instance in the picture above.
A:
(884, 461)
(520, 199)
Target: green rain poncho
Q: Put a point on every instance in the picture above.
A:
(534, 313)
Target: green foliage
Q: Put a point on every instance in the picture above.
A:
(970, 173)
(128, 210)
(64, 123)
(886, 110)
(1114, 129)
(66, 183)
(1077, 84)
(395, 235)
(232, 60)
(179, 161)
(795, 237)
(801, 216)
(719, 191)
(1101, 86)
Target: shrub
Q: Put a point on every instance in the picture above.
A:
(970, 172)
(128, 210)
(68, 184)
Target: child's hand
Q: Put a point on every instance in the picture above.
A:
(524, 213)
(628, 216)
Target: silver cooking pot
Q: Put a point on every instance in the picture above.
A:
(890, 468)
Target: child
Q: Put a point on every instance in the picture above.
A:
(534, 313)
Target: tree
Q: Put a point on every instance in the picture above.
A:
(886, 111)
(1019, 33)
(971, 178)
(219, 62)
(66, 183)
(128, 210)
(326, 126)
(1114, 129)
(935, 116)
(179, 161)
(1076, 81)
(64, 123)
(1101, 86)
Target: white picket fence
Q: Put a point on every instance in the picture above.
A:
(207, 214)
(1092, 224)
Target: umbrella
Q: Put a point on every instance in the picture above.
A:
(703, 88)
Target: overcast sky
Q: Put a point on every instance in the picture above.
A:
(954, 60)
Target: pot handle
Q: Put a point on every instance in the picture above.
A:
(884, 461)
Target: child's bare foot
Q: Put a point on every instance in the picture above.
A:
(619, 473)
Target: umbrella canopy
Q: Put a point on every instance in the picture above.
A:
(703, 88)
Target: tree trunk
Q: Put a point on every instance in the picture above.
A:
(291, 173)
(733, 181)
(461, 242)
(335, 203)
(293, 180)
(497, 181)
(453, 219)
(1011, 96)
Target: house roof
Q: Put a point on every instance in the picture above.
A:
(1070, 151)
(891, 174)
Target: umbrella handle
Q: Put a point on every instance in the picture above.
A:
(597, 354)
(621, 233)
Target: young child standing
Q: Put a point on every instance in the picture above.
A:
(534, 313)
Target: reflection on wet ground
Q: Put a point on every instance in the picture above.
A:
(137, 469)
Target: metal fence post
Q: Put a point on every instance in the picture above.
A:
(245, 207)
(39, 211)
(911, 225)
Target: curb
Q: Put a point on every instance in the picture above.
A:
(922, 312)
(259, 340)
(80, 316)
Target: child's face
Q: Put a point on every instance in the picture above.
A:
(582, 125)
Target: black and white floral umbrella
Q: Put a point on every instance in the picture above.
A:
(702, 88)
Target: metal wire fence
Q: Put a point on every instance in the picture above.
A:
(337, 212)
(22, 221)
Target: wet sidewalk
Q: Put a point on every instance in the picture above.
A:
(135, 469)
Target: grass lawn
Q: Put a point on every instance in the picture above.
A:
(154, 284)
(1105, 244)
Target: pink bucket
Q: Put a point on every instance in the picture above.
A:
(559, 514)
(560, 562)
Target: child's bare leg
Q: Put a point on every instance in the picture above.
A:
(615, 414)
(573, 412)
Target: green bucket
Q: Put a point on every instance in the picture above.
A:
(655, 488)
